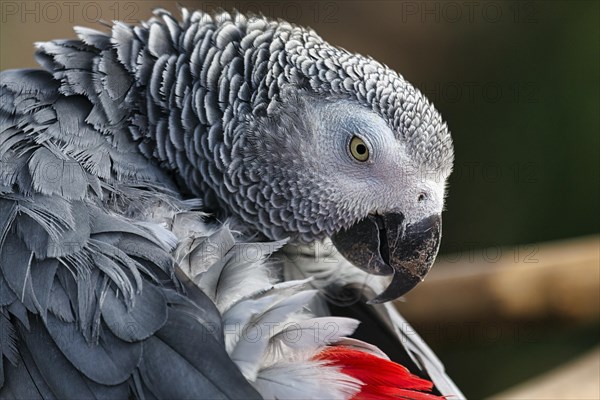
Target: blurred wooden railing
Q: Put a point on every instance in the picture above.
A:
(554, 279)
(578, 380)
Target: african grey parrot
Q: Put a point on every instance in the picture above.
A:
(166, 187)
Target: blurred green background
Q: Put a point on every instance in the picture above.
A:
(517, 82)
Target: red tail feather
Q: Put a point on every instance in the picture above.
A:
(382, 379)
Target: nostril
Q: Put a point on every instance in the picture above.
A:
(422, 196)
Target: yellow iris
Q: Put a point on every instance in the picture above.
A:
(359, 149)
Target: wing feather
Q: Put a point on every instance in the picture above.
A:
(90, 306)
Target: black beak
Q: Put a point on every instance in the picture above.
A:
(385, 245)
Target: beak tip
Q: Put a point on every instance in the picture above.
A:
(398, 287)
(409, 260)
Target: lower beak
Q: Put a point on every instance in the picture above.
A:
(386, 245)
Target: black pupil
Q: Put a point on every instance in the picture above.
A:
(361, 149)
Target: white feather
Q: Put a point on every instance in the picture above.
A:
(305, 379)
(236, 319)
(310, 334)
(249, 350)
(321, 261)
(190, 223)
(245, 272)
(276, 291)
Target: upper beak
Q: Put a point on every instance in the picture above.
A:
(386, 245)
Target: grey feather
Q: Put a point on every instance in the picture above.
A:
(209, 374)
(53, 365)
(7, 296)
(42, 279)
(146, 315)
(15, 261)
(24, 381)
(8, 341)
(60, 304)
(111, 362)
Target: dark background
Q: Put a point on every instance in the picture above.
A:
(517, 82)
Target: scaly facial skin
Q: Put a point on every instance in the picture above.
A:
(382, 211)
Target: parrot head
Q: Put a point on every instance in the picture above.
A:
(337, 145)
(327, 165)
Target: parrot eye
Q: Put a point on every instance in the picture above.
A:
(359, 149)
